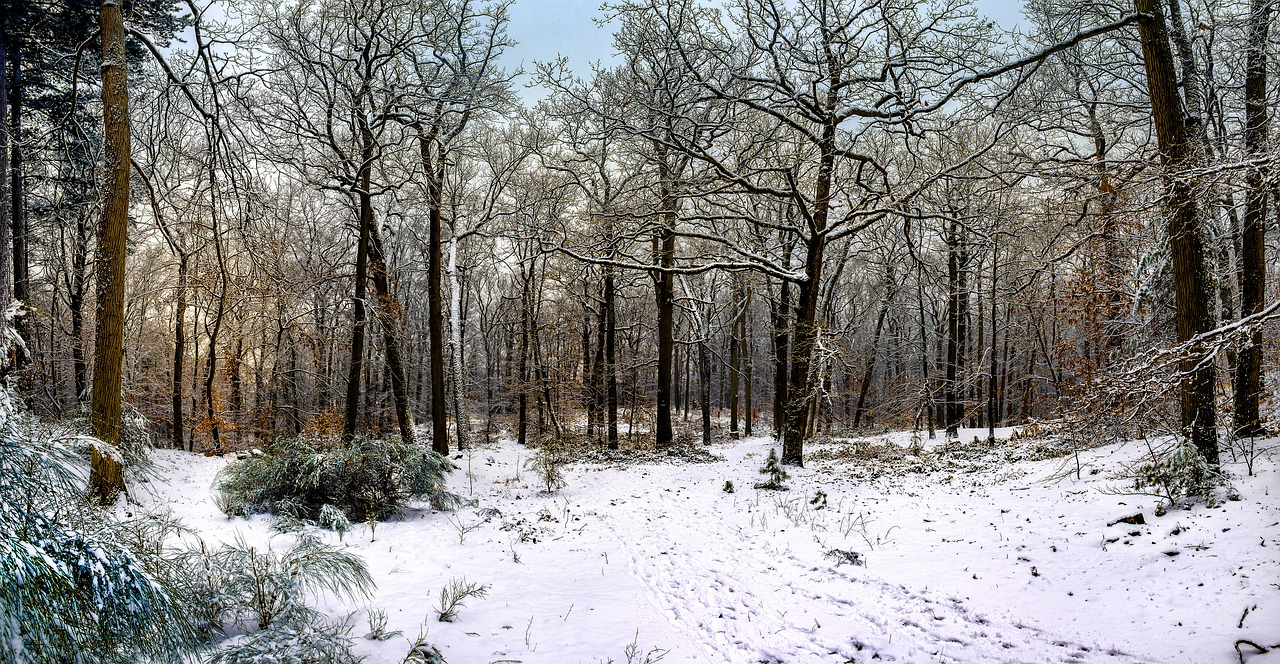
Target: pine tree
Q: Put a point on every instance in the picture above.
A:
(773, 469)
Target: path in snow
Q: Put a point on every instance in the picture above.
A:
(990, 566)
(721, 566)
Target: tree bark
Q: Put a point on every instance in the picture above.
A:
(179, 353)
(1191, 291)
(993, 375)
(435, 304)
(957, 334)
(392, 320)
(77, 290)
(359, 315)
(6, 140)
(735, 369)
(664, 245)
(704, 374)
(865, 385)
(106, 479)
(8, 187)
(781, 355)
(455, 334)
(588, 369)
(744, 331)
(1253, 248)
(522, 377)
(611, 358)
(1192, 88)
(17, 228)
(801, 390)
(597, 372)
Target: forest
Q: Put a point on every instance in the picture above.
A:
(286, 272)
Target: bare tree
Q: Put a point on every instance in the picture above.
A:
(1189, 273)
(335, 95)
(455, 80)
(1253, 257)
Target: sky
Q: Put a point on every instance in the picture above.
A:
(547, 28)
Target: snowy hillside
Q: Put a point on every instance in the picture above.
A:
(965, 560)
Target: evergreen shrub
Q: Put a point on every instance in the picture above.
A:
(365, 478)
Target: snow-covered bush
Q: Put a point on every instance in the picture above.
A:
(454, 596)
(136, 440)
(79, 595)
(377, 619)
(258, 588)
(75, 586)
(332, 518)
(548, 462)
(1175, 473)
(685, 437)
(312, 640)
(773, 470)
(422, 652)
(364, 478)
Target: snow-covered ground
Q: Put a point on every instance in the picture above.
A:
(992, 565)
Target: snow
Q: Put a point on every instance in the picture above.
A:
(997, 565)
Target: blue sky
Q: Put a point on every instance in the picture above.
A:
(545, 28)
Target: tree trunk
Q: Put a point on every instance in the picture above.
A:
(546, 399)
(211, 362)
(1113, 263)
(687, 380)
(994, 373)
(1192, 299)
(860, 409)
(704, 374)
(929, 392)
(675, 379)
(1192, 89)
(588, 369)
(75, 303)
(800, 387)
(295, 399)
(359, 317)
(801, 390)
(664, 243)
(522, 378)
(597, 371)
(392, 320)
(1253, 258)
(781, 355)
(735, 343)
(106, 479)
(179, 352)
(745, 332)
(236, 381)
(18, 217)
(435, 306)
(7, 143)
(611, 358)
(455, 333)
(957, 298)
